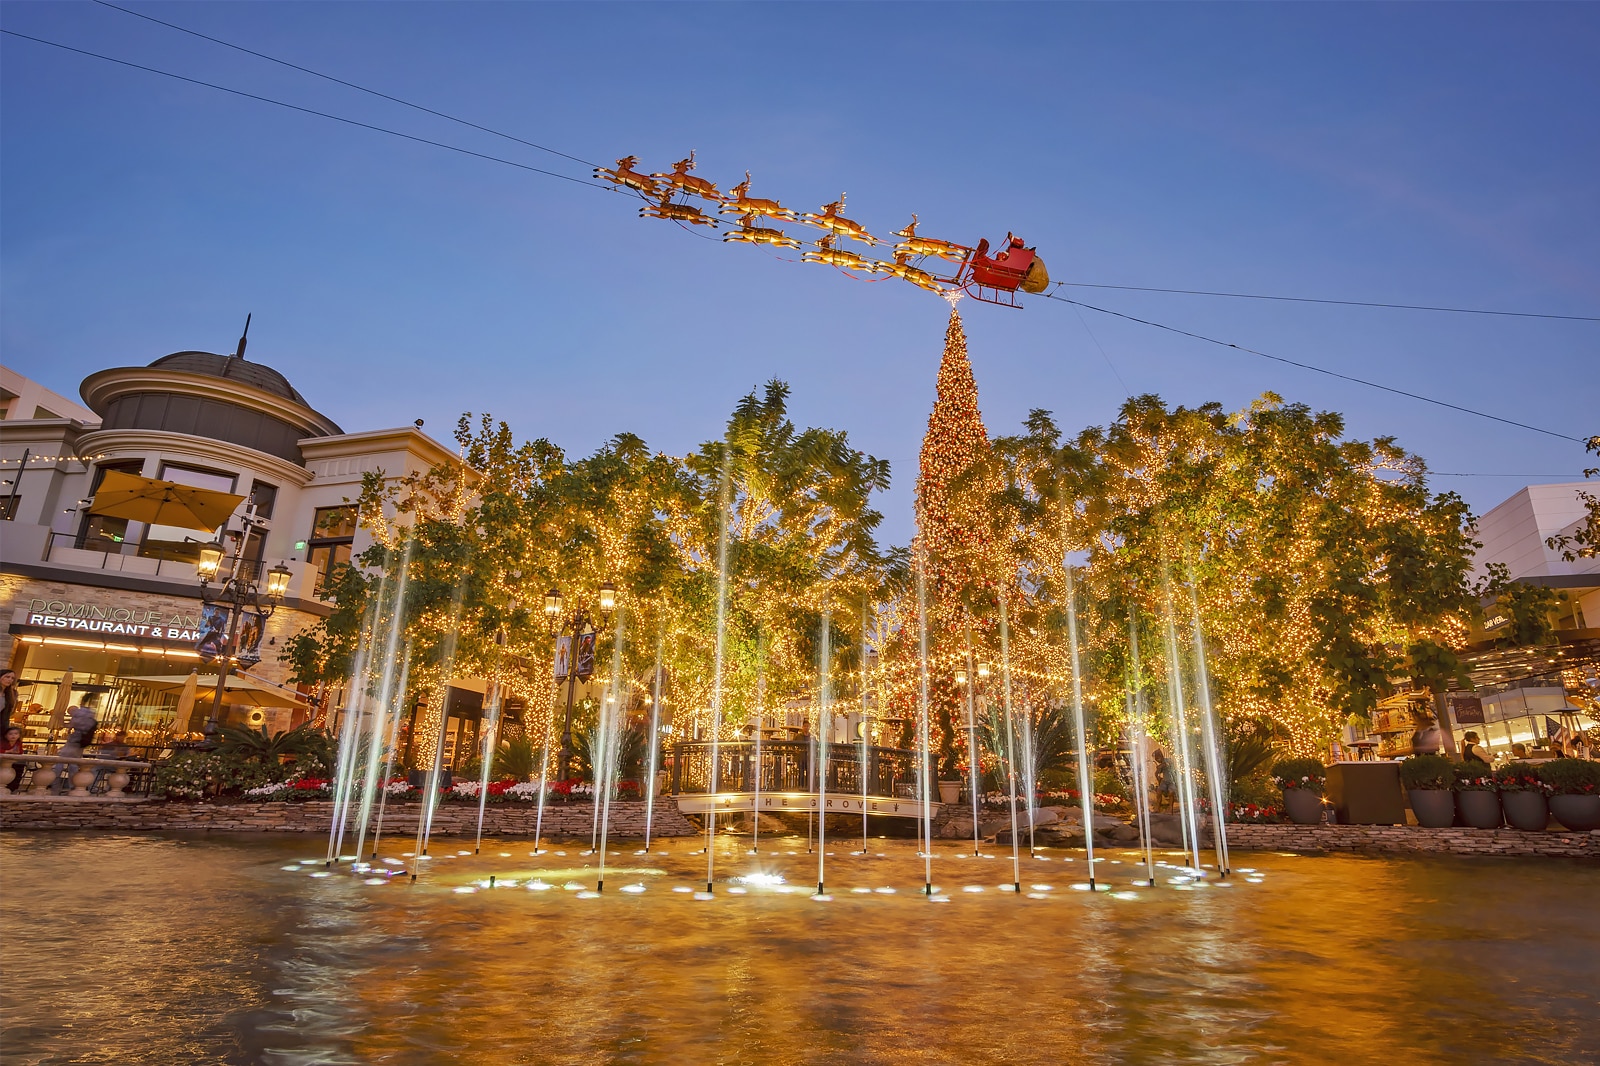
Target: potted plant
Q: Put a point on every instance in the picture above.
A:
(1477, 796)
(1302, 781)
(949, 790)
(1522, 795)
(1427, 780)
(1574, 786)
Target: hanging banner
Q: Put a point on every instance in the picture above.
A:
(585, 663)
(251, 624)
(563, 658)
(213, 631)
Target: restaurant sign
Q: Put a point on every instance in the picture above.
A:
(109, 621)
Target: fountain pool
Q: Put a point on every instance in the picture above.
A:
(244, 949)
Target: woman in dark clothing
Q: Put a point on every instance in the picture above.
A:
(1472, 751)
(8, 698)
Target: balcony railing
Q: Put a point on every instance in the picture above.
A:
(133, 557)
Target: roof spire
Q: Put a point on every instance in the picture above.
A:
(243, 338)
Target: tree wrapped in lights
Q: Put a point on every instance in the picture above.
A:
(954, 541)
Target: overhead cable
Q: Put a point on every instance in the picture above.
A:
(1318, 369)
(341, 81)
(1342, 303)
(311, 111)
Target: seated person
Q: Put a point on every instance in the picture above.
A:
(116, 748)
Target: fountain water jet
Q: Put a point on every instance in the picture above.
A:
(1085, 778)
(488, 743)
(761, 712)
(1011, 754)
(650, 749)
(1180, 732)
(924, 770)
(824, 728)
(372, 780)
(1210, 739)
(1140, 739)
(430, 799)
(610, 741)
(394, 745)
(972, 746)
(714, 777)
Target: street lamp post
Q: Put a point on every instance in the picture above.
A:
(238, 591)
(575, 624)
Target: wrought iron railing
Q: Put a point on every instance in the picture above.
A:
(792, 766)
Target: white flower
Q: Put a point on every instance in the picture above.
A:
(397, 788)
(465, 788)
(271, 789)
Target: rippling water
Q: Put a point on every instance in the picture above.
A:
(175, 949)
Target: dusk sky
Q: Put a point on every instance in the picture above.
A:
(1444, 154)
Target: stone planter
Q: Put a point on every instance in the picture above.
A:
(1578, 813)
(1479, 809)
(1303, 806)
(949, 791)
(1435, 808)
(1526, 810)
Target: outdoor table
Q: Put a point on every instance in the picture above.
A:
(1367, 793)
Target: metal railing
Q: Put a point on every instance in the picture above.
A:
(166, 561)
(47, 777)
(791, 766)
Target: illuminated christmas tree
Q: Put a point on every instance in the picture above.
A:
(954, 540)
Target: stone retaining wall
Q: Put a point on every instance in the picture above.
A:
(450, 819)
(1410, 838)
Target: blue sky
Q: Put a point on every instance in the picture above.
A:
(1430, 154)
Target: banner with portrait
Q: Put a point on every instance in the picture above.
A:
(213, 631)
(251, 626)
(563, 663)
(585, 662)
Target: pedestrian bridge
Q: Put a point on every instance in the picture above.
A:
(778, 776)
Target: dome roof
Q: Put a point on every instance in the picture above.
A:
(256, 375)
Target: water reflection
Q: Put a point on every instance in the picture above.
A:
(173, 950)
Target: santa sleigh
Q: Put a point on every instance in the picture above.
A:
(998, 278)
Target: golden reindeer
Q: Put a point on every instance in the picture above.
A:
(629, 178)
(750, 233)
(832, 221)
(740, 202)
(681, 180)
(914, 245)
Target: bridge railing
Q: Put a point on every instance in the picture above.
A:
(792, 766)
(112, 779)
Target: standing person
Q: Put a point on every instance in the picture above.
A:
(1472, 751)
(1165, 787)
(81, 724)
(8, 698)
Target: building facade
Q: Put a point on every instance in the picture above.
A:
(115, 606)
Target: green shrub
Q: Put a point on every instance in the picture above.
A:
(1571, 777)
(1473, 777)
(198, 774)
(1308, 774)
(1257, 790)
(1519, 777)
(1427, 771)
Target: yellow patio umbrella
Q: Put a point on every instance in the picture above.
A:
(237, 689)
(185, 708)
(58, 713)
(162, 503)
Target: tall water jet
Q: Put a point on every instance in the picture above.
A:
(924, 770)
(761, 715)
(356, 697)
(394, 745)
(972, 746)
(713, 778)
(865, 727)
(1180, 733)
(488, 744)
(1030, 788)
(611, 713)
(1140, 743)
(544, 777)
(372, 779)
(1211, 740)
(824, 728)
(430, 799)
(1011, 754)
(1085, 776)
(652, 747)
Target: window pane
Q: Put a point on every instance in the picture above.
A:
(332, 522)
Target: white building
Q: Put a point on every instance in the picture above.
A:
(110, 599)
(1515, 533)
